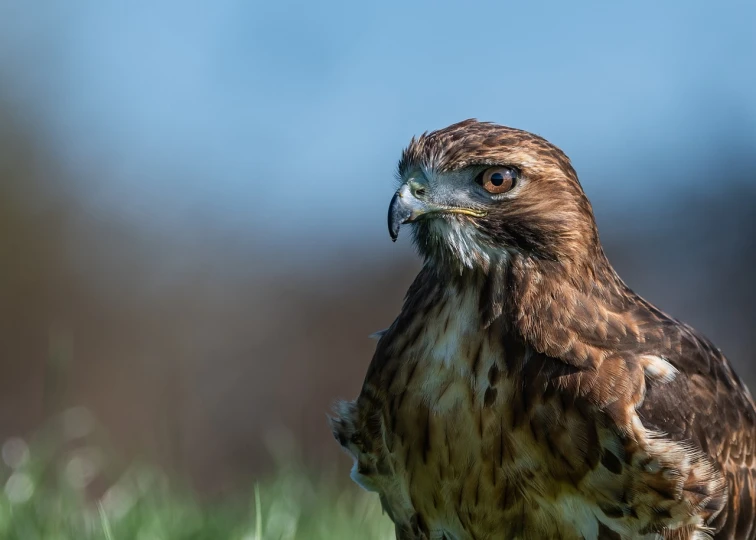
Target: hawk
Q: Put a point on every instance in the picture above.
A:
(524, 391)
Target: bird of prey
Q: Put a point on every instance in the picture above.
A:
(524, 391)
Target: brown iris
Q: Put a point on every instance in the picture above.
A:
(498, 179)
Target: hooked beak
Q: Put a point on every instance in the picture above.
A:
(410, 203)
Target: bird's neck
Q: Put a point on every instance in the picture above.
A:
(554, 307)
(571, 312)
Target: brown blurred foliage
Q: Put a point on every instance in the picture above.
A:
(187, 354)
(193, 351)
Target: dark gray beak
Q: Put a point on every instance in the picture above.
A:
(405, 207)
(413, 200)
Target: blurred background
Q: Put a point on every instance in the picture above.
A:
(193, 195)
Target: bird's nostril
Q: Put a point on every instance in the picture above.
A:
(419, 192)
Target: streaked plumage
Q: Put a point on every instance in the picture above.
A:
(524, 391)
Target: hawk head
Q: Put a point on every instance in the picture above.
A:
(477, 191)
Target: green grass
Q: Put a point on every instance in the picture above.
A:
(47, 488)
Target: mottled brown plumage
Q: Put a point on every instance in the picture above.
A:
(524, 391)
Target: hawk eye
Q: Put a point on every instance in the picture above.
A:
(498, 179)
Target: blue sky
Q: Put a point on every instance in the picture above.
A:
(285, 120)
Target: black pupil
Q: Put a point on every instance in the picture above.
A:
(497, 179)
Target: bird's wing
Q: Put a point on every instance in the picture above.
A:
(620, 352)
(707, 405)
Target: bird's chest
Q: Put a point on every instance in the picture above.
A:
(459, 453)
